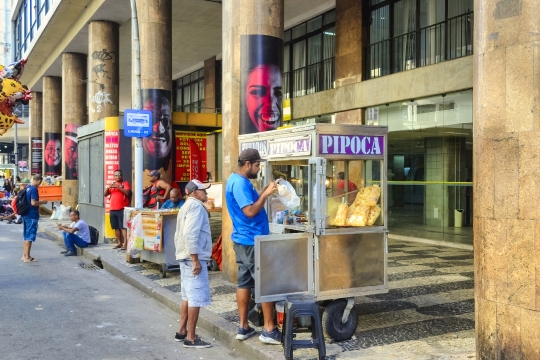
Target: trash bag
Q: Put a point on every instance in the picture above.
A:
(287, 194)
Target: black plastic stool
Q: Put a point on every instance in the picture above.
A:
(296, 306)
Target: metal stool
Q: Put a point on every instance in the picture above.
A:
(296, 306)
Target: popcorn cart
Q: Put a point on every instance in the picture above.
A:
(333, 243)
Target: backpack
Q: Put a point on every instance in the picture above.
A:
(94, 235)
(21, 202)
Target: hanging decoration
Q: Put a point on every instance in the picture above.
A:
(12, 94)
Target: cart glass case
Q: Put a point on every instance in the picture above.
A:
(334, 242)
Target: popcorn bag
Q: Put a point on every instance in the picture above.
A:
(363, 212)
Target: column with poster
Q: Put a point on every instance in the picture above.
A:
(37, 155)
(53, 153)
(183, 155)
(260, 83)
(70, 151)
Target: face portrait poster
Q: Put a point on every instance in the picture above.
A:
(157, 147)
(53, 154)
(260, 83)
(70, 151)
(37, 155)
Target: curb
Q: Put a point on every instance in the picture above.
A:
(220, 328)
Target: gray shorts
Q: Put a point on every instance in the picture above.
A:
(245, 259)
(195, 288)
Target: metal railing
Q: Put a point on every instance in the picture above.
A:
(192, 108)
(446, 40)
(309, 79)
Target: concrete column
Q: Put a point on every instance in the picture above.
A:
(74, 114)
(103, 69)
(155, 31)
(36, 134)
(349, 43)
(210, 85)
(52, 125)
(506, 169)
(264, 17)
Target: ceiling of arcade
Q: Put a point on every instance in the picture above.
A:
(196, 35)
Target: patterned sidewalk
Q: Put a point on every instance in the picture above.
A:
(427, 314)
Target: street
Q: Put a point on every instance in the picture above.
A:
(67, 308)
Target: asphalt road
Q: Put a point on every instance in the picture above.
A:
(58, 309)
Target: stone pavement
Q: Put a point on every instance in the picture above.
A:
(427, 314)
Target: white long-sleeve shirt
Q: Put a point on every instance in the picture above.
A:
(193, 231)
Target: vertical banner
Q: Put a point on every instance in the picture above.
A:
(37, 155)
(195, 162)
(70, 151)
(261, 59)
(157, 147)
(183, 155)
(53, 153)
(112, 153)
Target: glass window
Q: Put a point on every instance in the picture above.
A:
(298, 31)
(422, 32)
(287, 36)
(314, 24)
(430, 166)
(309, 64)
(190, 92)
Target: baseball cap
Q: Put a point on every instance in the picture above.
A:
(251, 155)
(155, 173)
(196, 185)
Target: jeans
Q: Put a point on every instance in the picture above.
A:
(70, 240)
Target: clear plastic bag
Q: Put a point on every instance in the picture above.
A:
(136, 240)
(287, 194)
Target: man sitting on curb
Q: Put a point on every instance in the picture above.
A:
(76, 234)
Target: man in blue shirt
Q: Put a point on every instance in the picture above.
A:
(246, 208)
(30, 219)
(175, 200)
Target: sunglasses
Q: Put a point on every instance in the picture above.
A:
(117, 174)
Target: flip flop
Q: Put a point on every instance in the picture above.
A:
(30, 260)
(117, 247)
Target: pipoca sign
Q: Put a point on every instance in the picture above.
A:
(280, 147)
(351, 145)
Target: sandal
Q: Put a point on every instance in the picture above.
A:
(117, 247)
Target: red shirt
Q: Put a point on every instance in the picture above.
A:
(118, 199)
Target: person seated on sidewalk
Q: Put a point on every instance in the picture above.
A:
(77, 233)
(175, 201)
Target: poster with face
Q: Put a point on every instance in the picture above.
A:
(157, 147)
(37, 155)
(260, 83)
(53, 153)
(70, 151)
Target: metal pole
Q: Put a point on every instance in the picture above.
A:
(15, 152)
(137, 103)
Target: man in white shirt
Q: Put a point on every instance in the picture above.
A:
(193, 242)
(76, 234)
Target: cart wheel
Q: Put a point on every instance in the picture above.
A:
(331, 321)
(163, 271)
(213, 265)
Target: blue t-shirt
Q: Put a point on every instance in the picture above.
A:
(32, 193)
(239, 193)
(170, 205)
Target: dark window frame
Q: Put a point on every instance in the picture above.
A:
(446, 31)
(26, 24)
(192, 106)
(288, 77)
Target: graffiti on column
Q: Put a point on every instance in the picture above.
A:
(261, 83)
(70, 151)
(100, 99)
(157, 147)
(53, 153)
(37, 155)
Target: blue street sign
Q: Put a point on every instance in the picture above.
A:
(137, 123)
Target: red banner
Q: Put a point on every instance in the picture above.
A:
(195, 164)
(112, 159)
(183, 169)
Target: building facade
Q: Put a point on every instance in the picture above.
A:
(415, 66)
